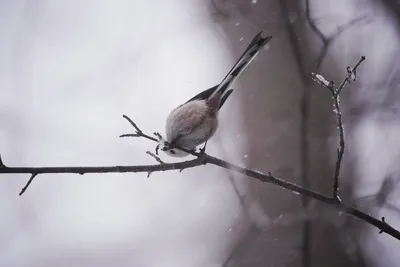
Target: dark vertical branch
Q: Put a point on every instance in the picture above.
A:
(351, 75)
(304, 121)
(341, 148)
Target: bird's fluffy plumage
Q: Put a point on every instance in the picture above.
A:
(187, 125)
(196, 121)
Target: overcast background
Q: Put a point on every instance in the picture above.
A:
(70, 69)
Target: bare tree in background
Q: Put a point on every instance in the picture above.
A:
(314, 37)
(291, 120)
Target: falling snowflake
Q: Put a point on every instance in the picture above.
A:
(254, 1)
(237, 24)
(246, 156)
(241, 39)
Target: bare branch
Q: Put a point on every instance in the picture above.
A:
(157, 158)
(28, 183)
(138, 132)
(327, 41)
(201, 159)
(351, 75)
(318, 78)
(351, 72)
(158, 135)
(340, 150)
(304, 101)
(338, 113)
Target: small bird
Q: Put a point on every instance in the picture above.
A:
(196, 121)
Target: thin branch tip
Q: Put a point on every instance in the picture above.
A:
(33, 175)
(132, 123)
(138, 131)
(158, 135)
(157, 158)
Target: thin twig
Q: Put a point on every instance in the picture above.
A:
(342, 145)
(326, 43)
(304, 101)
(33, 175)
(157, 158)
(138, 132)
(351, 74)
(340, 149)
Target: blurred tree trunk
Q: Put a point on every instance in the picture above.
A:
(288, 121)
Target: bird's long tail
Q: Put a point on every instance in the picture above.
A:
(245, 59)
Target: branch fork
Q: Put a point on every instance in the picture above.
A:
(335, 91)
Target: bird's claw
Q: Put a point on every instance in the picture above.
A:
(203, 149)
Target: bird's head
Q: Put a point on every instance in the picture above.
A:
(169, 150)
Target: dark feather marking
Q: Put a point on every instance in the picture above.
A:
(259, 41)
(225, 97)
(203, 95)
(239, 69)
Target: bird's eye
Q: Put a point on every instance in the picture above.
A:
(172, 152)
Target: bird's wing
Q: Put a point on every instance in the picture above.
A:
(244, 60)
(203, 95)
(225, 97)
(185, 120)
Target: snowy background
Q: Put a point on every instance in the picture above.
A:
(70, 69)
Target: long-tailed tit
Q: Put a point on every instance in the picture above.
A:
(196, 121)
